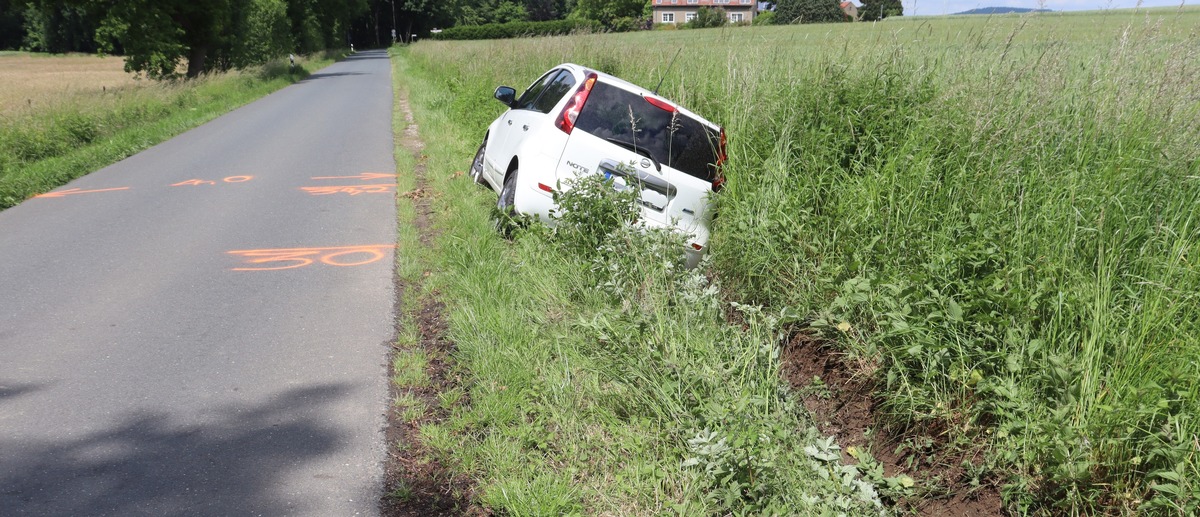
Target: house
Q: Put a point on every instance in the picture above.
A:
(850, 9)
(683, 11)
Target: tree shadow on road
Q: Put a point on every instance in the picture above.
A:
(313, 77)
(233, 464)
(13, 390)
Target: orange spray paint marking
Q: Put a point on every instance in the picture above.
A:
(343, 256)
(69, 192)
(194, 182)
(231, 179)
(353, 190)
(364, 176)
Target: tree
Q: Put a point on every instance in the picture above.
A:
(608, 11)
(479, 12)
(158, 35)
(808, 11)
(59, 26)
(873, 10)
(264, 32)
(544, 10)
(422, 15)
(12, 21)
(708, 17)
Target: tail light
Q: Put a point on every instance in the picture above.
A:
(566, 121)
(661, 104)
(719, 179)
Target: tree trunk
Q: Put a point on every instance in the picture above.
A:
(196, 58)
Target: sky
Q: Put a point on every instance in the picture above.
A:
(935, 7)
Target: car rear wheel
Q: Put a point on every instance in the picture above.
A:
(506, 212)
(508, 194)
(477, 164)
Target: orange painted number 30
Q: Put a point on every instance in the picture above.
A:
(292, 258)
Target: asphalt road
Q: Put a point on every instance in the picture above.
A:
(202, 328)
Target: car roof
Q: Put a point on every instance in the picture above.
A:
(582, 71)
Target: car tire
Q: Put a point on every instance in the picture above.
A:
(506, 211)
(477, 164)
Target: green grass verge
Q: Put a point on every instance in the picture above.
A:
(43, 150)
(597, 390)
(996, 217)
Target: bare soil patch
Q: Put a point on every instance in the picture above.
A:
(845, 407)
(416, 482)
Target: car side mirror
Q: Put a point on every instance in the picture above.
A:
(506, 95)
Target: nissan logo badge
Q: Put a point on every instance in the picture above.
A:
(645, 163)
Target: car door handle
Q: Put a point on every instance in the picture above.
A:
(510, 122)
(525, 127)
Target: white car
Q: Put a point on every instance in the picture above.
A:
(574, 121)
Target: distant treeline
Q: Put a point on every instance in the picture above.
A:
(173, 38)
(518, 29)
(159, 37)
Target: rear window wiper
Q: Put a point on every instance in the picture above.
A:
(640, 150)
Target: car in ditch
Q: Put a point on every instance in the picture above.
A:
(574, 122)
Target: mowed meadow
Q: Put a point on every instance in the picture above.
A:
(994, 219)
(52, 80)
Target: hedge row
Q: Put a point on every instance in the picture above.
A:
(518, 29)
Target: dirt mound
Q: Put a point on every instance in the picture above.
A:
(841, 399)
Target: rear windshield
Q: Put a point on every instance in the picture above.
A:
(674, 139)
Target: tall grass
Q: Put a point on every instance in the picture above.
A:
(605, 383)
(997, 216)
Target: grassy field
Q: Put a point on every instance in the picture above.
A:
(585, 392)
(995, 218)
(30, 82)
(62, 117)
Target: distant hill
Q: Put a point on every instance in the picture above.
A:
(1004, 10)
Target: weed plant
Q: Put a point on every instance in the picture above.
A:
(997, 217)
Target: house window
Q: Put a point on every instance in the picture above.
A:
(689, 17)
(746, 2)
(668, 17)
(693, 1)
(735, 17)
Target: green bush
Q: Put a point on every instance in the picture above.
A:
(808, 11)
(764, 18)
(707, 17)
(626, 24)
(589, 210)
(518, 30)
